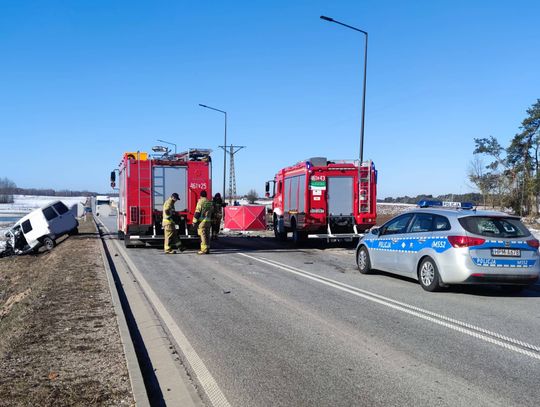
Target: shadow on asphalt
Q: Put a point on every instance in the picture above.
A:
(487, 290)
(230, 244)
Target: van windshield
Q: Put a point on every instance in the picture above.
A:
(494, 226)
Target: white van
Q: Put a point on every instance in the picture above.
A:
(42, 227)
(103, 207)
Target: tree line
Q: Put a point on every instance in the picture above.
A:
(472, 197)
(8, 188)
(510, 177)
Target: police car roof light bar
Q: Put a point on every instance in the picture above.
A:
(427, 203)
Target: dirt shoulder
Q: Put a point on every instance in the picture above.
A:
(59, 340)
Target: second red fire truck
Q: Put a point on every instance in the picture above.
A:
(328, 199)
(144, 183)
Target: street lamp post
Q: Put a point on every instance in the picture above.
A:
(365, 75)
(225, 143)
(168, 142)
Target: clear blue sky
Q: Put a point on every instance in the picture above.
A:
(83, 81)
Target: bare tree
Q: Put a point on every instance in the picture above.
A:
(7, 188)
(252, 196)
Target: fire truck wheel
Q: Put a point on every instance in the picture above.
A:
(363, 261)
(297, 236)
(127, 242)
(48, 243)
(281, 236)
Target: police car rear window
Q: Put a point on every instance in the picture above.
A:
(493, 226)
(427, 222)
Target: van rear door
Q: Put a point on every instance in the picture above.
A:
(66, 221)
(53, 219)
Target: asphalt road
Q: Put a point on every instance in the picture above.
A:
(279, 326)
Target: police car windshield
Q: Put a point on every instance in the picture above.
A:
(493, 226)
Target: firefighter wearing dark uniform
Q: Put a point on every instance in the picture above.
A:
(169, 227)
(203, 216)
(217, 216)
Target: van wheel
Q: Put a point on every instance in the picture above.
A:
(48, 243)
(428, 275)
(362, 261)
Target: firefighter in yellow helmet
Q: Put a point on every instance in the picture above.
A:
(169, 227)
(203, 216)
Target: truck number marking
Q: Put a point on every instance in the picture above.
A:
(195, 185)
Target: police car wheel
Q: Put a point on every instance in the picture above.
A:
(428, 275)
(363, 261)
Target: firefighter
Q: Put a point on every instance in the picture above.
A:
(203, 216)
(218, 214)
(169, 227)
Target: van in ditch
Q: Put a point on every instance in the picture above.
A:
(42, 227)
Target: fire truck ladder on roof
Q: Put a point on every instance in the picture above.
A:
(159, 190)
(140, 213)
(195, 154)
(364, 195)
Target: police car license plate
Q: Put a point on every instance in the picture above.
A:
(506, 252)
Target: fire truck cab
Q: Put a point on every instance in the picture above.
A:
(325, 199)
(145, 183)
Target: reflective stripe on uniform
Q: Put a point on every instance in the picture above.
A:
(168, 206)
(205, 208)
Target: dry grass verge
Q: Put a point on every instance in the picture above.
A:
(59, 340)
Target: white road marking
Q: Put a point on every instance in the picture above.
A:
(459, 326)
(205, 378)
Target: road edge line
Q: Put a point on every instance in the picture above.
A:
(211, 389)
(134, 370)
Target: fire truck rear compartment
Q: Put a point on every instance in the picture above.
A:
(340, 196)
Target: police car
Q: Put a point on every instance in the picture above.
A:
(451, 243)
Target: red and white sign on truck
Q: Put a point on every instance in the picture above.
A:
(318, 198)
(145, 183)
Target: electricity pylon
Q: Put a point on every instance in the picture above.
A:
(232, 150)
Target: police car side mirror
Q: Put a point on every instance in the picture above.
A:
(375, 231)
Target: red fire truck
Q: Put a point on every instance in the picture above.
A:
(318, 198)
(145, 183)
